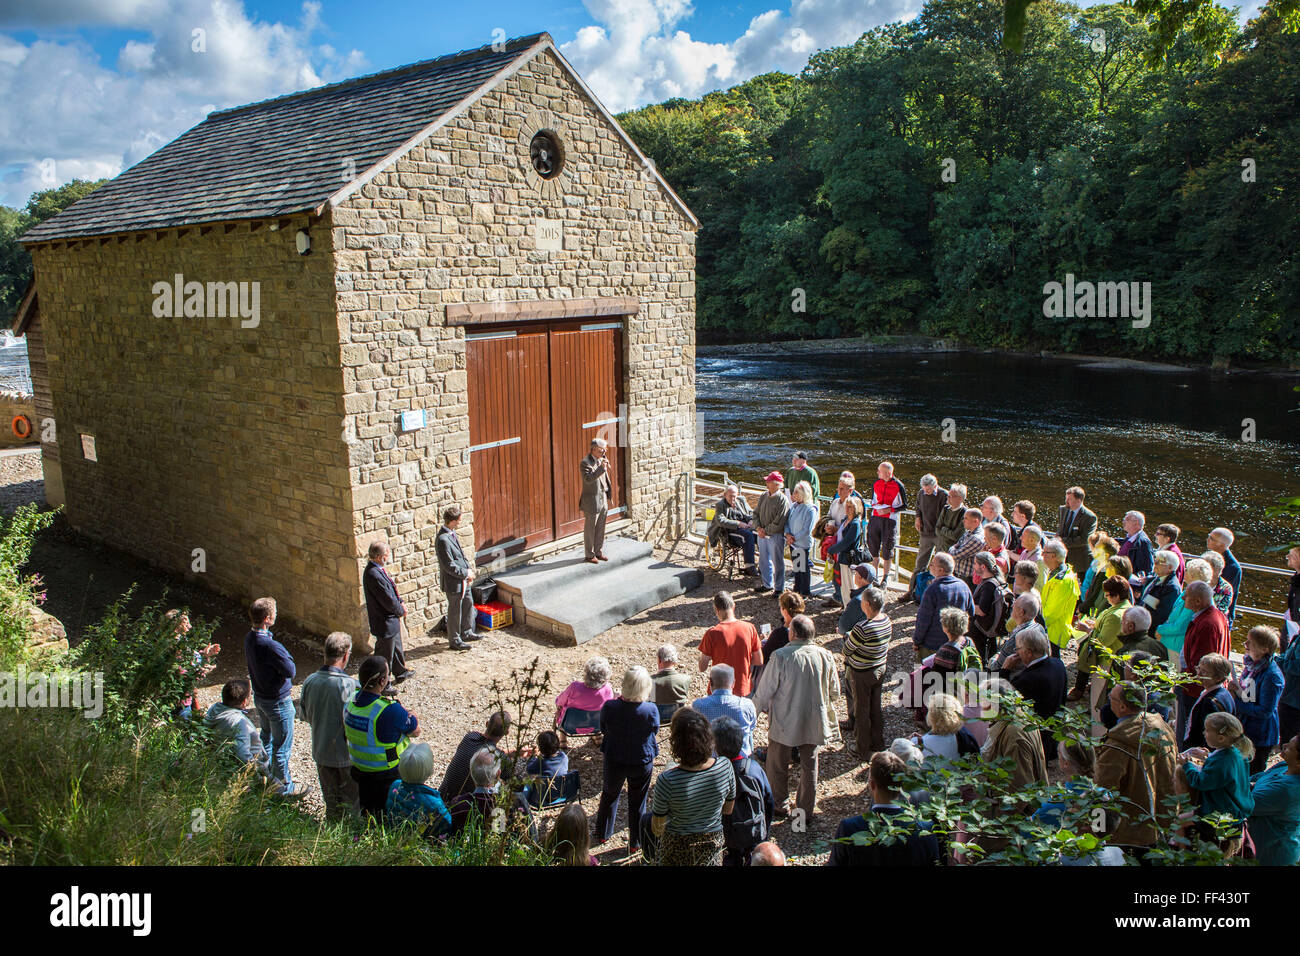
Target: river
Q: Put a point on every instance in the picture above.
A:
(1168, 444)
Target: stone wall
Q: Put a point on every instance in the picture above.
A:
(451, 222)
(208, 435)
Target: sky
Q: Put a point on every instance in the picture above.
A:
(91, 87)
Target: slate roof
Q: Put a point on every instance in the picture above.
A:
(283, 155)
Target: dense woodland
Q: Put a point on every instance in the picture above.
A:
(1083, 154)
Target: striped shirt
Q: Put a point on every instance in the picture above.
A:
(867, 645)
(692, 799)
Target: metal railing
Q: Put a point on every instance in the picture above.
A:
(705, 493)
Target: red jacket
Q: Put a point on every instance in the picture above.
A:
(1207, 634)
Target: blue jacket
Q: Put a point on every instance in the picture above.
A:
(1139, 554)
(1222, 784)
(1275, 822)
(844, 550)
(384, 608)
(799, 523)
(270, 668)
(949, 591)
(629, 730)
(1258, 715)
(419, 803)
(394, 723)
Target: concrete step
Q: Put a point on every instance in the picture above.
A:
(575, 601)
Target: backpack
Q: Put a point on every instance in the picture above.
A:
(970, 658)
(923, 579)
(747, 825)
(1007, 599)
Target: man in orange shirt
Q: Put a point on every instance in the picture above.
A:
(731, 642)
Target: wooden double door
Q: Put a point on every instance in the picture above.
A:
(538, 394)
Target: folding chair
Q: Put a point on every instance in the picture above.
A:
(548, 792)
(578, 723)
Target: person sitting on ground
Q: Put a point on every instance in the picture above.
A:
(767, 854)
(863, 578)
(866, 652)
(455, 780)
(750, 819)
(1060, 591)
(588, 694)
(1026, 617)
(231, 721)
(482, 803)
(1274, 824)
(672, 688)
(945, 590)
(549, 765)
(917, 848)
(991, 599)
(1174, 629)
(958, 653)
(324, 698)
(1103, 635)
(1213, 671)
(1041, 680)
(721, 702)
(378, 729)
(1022, 516)
(1219, 777)
(1167, 540)
(733, 519)
(731, 641)
(412, 799)
(629, 744)
(948, 738)
(202, 662)
(1257, 693)
(570, 840)
(691, 798)
(967, 546)
(1224, 596)
(1102, 547)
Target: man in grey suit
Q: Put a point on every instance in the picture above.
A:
(456, 578)
(1076, 523)
(594, 502)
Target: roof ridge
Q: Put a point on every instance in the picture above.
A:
(519, 43)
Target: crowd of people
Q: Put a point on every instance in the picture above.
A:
(998, 598)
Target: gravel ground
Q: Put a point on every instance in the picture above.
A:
(451, 691)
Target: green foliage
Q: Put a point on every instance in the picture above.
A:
(15, 263)
(18, 593)
(930, 178)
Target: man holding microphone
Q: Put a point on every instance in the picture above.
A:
(594, 502)
(456, 578)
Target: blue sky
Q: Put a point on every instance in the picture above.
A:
(90, 87)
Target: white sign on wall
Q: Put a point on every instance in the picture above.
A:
(548, 235)
(88, 447)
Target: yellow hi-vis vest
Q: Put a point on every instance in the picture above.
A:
(365, 749)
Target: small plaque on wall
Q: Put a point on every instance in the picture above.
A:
(413, 420)
(88, 447)
(548, 235)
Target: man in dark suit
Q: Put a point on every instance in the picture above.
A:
(1041, 681)
(455, 578)
(385, 610)
(594, 503)
(1075, 523)
(1136, 546)
(916, 848)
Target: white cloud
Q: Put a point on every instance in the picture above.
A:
(64, 106)
(637, 54)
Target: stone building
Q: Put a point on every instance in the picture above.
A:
(318, 320)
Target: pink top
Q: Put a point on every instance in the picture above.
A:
(581, 696)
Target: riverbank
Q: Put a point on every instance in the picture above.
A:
(909, 344)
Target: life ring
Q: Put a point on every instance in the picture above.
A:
(21, 426)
